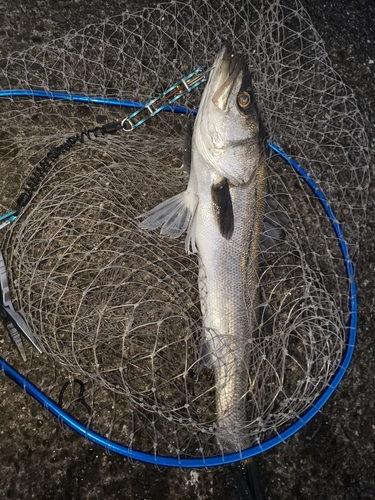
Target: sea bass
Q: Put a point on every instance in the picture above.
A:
(222, 210)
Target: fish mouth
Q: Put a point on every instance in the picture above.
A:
(227, 67)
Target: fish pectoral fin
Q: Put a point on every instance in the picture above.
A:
(173, 215)
(223, 208)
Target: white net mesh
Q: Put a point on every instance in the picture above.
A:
(118, 307)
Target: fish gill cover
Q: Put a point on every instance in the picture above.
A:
(118, 307)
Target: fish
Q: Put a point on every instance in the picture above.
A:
(222, 211)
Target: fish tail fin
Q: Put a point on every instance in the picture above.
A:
(173, 215)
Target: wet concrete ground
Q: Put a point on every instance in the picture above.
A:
(333, 457)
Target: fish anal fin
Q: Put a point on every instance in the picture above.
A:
(223, 208)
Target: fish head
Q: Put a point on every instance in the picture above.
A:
(228, 132)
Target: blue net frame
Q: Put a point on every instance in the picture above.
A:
(187, 463)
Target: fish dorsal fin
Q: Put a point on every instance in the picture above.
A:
(275, 224)
(187, 146)
(223, 208)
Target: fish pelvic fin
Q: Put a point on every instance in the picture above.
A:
(223, 208)
(190, 245)
(174, 216)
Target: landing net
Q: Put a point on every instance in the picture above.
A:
(117, 307)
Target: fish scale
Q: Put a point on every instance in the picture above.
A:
(228, 286)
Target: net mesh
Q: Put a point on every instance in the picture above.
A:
(118, 307)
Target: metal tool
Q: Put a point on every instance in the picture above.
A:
(167, 98)
(14, 322)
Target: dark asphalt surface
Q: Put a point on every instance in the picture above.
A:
(333, 457)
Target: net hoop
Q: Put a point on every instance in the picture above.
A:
(254, 450)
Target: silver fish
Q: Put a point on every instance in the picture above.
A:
(222, 210)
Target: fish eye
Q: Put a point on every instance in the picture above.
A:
(244, 99)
